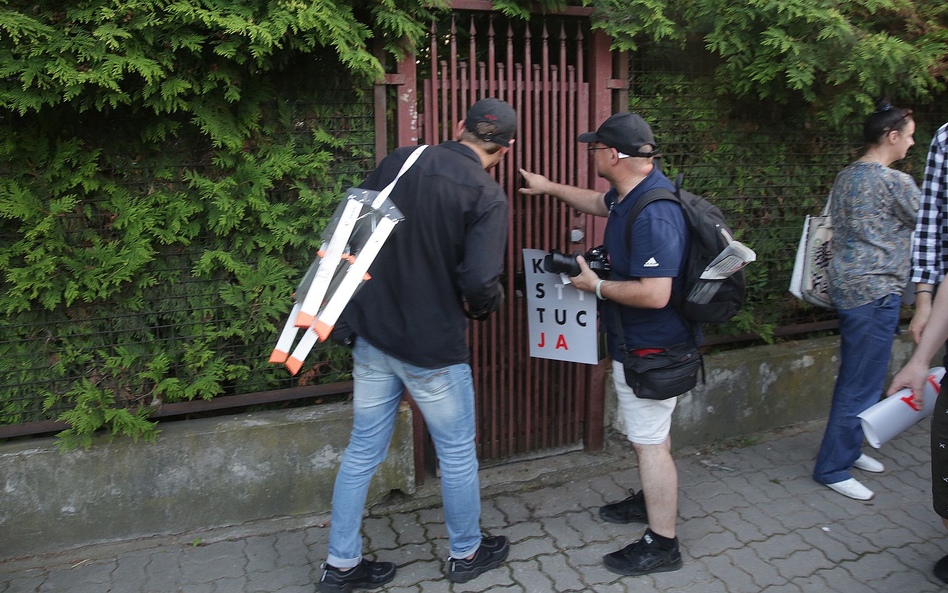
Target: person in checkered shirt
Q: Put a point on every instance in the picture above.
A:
(929, 263)
(930, 245)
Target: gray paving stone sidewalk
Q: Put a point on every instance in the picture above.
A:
(752, 520)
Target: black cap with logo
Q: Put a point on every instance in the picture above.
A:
(493, 111)
(626, 132)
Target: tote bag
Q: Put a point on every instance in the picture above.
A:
(810, 280)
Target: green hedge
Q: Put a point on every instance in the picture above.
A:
(166, 171)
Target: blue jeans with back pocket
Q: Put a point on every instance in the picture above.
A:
(445, 397)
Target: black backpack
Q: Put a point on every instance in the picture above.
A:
(710, 234)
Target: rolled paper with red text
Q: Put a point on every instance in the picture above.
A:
(892, 415)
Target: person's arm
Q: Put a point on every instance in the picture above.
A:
(923, 309)
(479, 272)
(588, 201)
(659, 234)
(642, 293)
(914, 372)
(926, 246)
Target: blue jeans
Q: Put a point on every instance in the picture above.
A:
(866, 335)
(445, 397)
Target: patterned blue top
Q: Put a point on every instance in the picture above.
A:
(873, 209)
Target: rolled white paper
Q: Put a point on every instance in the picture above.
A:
(892, 415)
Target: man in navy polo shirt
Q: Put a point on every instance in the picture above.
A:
(647, 265)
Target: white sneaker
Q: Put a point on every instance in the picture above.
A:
(853, 489)
(868, 464)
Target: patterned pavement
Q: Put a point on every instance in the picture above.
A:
(751, 520)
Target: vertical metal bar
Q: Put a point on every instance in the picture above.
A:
(492, 346)
(521, 379)
(547, 143)
(600, 107)
(472, 59)
(622, 94)
(454, 75)
(582, 115)
(431, 109)
(491, 57)
(428, 100)
(566, 392)
(445, 85)
(501, 320)
(528, 217)
(512, 250)
(578, 383)
(482, 80)
(464, 89)
(547, 219)
(553, 132)
(556, 208)
(407, 103)
(539, 238)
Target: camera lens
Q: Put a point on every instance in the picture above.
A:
(557, 262)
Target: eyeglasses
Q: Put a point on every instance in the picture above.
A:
(593, 149)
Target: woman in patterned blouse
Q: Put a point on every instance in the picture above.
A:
(873, 209)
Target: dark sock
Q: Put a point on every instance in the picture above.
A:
(665, 543)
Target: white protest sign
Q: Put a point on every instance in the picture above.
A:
(560, 318)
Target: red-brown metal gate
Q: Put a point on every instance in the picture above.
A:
(556, 74)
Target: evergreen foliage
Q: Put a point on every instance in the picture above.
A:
(166, 171)
(836, 57)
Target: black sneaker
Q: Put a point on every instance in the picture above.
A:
(491, 554)
(643, 557)
(630, 510)
(366, 575)
(941, 569)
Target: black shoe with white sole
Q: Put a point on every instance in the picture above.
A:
(366, 575)
(491, 554)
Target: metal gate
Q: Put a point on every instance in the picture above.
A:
(556, 74)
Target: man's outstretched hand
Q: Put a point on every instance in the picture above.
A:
(536, 183)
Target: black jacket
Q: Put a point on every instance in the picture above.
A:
(449, 247)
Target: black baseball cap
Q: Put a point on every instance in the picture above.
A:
(496, 112)
(626, 132)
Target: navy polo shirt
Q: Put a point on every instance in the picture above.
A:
(657, 247)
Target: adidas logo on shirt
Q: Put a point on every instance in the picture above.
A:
(651, 263)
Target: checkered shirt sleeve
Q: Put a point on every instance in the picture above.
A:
(930, 243)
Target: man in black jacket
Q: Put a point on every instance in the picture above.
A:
(410, 319)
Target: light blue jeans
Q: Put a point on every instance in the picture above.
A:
(445, 397)
(866, 336)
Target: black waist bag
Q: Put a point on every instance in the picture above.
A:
(665, 374)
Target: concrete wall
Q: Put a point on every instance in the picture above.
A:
(760, 388)
(226, 471)
(199, 474)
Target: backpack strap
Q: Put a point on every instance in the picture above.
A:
(652, 195)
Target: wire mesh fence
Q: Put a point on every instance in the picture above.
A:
(191, 327)
(765, 165)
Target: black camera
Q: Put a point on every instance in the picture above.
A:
(557, 262)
